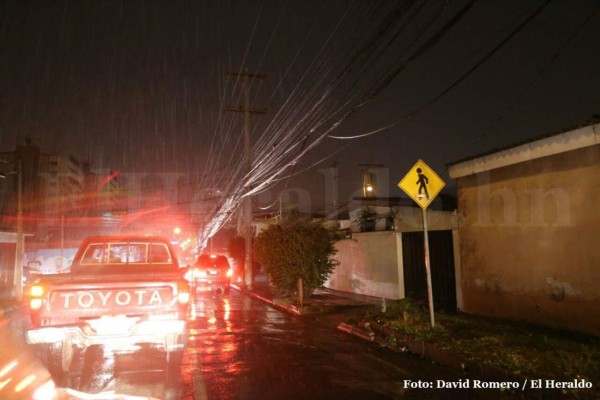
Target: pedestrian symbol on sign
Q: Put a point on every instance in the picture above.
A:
(422, 182)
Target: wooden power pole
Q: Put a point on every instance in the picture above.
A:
(247, 204)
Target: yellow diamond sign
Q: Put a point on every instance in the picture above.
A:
(421, 184)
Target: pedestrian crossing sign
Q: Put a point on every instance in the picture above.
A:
(422, 184)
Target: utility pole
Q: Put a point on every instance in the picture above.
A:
(247, 205)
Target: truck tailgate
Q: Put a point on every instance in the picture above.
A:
(75, 301)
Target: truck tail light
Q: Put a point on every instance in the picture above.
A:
(37, 291)
(183, 295)
(229, 272)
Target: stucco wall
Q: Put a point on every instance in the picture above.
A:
(369, 265)
(529, 241)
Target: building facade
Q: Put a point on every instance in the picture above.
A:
(529, 228)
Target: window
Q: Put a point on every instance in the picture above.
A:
(126, 253)
(95, 254)
(159, 254)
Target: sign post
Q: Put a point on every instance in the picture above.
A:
(422, 184)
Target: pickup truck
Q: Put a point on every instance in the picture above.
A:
(122, 292)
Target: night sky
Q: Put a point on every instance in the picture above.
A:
(143, 86)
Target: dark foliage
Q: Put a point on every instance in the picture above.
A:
(297, 248)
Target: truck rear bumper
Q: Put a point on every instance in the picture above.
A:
(169, 335)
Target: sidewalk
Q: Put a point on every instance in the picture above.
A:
(323, 300)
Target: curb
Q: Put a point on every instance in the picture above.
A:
(290, 308)
(356, 331)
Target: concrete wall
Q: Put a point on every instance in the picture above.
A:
(369, 264)
(529, 240)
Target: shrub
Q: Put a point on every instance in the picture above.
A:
(297, 248)
(366, 219)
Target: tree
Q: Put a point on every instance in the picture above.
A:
(297, 248)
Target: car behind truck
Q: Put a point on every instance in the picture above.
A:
(122, 292)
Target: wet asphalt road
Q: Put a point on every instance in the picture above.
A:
(242, 348)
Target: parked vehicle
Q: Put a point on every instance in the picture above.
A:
(210, 272)
(121, 292)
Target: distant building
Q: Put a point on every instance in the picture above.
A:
(34, 190)
(63, 180)
(63, 200)
(529, 231)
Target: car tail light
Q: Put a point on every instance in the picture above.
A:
(229, 273)
(183, 294)
(37, 291)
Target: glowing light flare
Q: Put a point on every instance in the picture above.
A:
(183, 295)
(8, 367)
(227, 308)
(229, 347)
(188, 275)
(37, 291)
(229, 273)
(4, 383)
(107, 179)
(35, 304)
(45, 391)
(199, 273)
(25, 383)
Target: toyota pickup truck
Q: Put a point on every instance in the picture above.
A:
(122, 292)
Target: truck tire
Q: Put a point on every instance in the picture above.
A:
(172, 375)
(98, 370)
(59, 357)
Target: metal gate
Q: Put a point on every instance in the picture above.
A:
(441, 254)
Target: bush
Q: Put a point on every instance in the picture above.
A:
(297, 248)
(366, 219)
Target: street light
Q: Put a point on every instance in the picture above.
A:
(18, 268)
